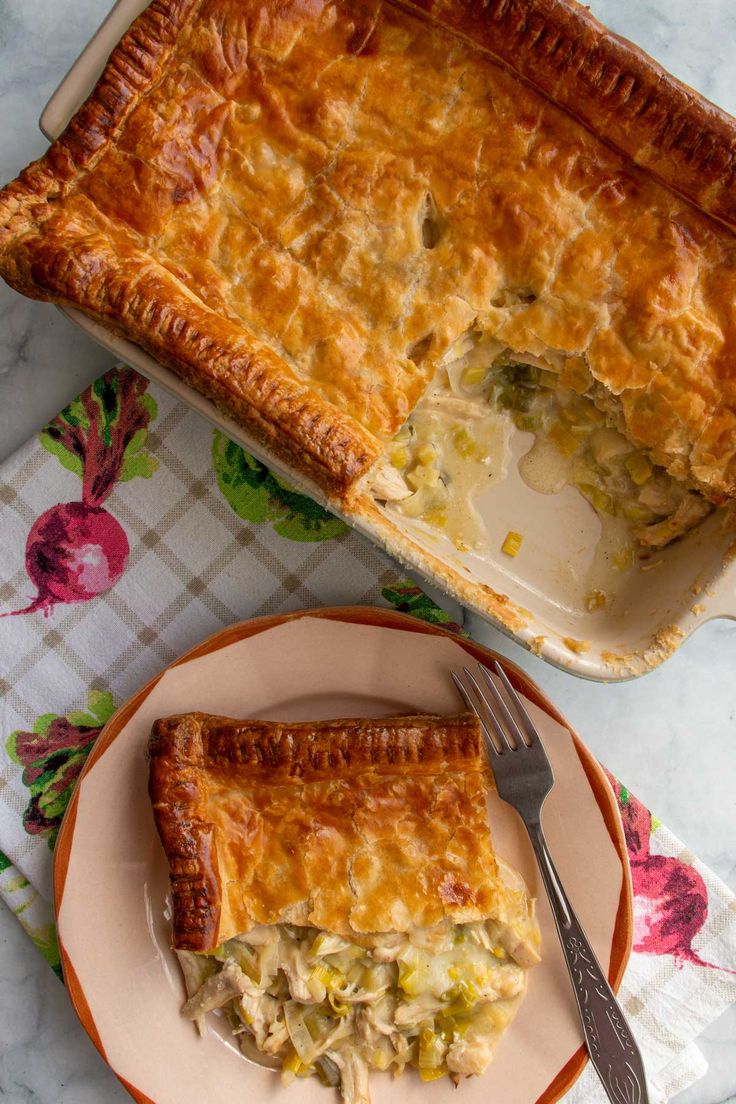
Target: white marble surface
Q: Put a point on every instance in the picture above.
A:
(670, 736)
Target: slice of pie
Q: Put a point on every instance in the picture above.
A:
(383, 235)
(336, 893)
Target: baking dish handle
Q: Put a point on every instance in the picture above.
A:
(79, 81)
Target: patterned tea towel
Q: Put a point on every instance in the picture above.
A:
(131, 530)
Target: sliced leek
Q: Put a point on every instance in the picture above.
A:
(512, 543)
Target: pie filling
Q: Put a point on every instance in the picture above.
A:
(457, 442)
(313, 1002)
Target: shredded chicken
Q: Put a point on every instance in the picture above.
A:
(262, 1014)
(196, 969)
(387, 948)
(454, 407)
(469, 1055)
(388, 485)
(479, 934)
(217, 991)
(353, 1076)
(263, 935)
(523, 949)
(690, 512)
(299, 976)
(403, 1049)
(379, 1017)
(435, 940)
(317, 1003)
(362, 996)
(414, 1012)
(277, 1038)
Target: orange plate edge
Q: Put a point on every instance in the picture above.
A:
(389, 619)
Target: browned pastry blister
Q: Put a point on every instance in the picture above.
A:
(350, 826)
(302, 208)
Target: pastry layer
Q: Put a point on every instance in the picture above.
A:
(613, 87)
(350, 826)
(302, 208)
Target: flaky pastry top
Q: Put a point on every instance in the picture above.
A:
(351, 826)
(301, 208)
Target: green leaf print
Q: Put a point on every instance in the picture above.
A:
(100, 709)
(52, 754)
(257, 495)
(101, 435)
(67, 459)
(406, 597)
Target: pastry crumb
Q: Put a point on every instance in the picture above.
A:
(577, 646)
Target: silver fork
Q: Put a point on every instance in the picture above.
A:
(524, 778)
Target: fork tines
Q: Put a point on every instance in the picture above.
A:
(505, 721)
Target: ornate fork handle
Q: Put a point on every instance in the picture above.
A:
(611, 1046)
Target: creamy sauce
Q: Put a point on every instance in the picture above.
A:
(471, 444)
(457, 444)
(544, 468)
(612, 558)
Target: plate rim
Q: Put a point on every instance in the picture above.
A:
(623, 932)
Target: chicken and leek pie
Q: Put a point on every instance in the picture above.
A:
(336, 894)
(346, 222)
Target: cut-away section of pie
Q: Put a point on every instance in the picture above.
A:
(455, 445)
(336, 894)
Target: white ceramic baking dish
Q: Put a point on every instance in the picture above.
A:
(655, 609)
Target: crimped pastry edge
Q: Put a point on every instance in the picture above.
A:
(184, 748)
(215, 356)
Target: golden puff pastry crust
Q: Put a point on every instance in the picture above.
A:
(301, 208)
(351, 826)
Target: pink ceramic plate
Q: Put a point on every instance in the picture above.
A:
(111, 878)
